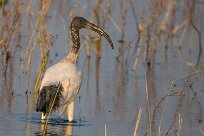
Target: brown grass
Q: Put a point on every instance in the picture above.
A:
(137, 121)
(157, 25)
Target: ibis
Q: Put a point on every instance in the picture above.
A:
(61, 82)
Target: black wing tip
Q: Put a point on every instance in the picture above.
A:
(47, 96)
(41, 104)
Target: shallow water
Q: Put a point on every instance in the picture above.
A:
(111, 93)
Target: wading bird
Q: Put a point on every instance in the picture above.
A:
(61, 82)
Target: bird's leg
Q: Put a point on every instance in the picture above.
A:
(70, 111)
(43, 116)
(69, 130)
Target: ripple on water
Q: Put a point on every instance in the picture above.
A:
(56, 120)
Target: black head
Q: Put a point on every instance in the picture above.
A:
(79, 22)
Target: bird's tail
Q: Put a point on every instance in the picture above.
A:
(49, 98)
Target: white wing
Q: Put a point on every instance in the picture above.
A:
(71, 87)
(68, 75)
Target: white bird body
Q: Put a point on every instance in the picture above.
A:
(68, 75)
(62, 81)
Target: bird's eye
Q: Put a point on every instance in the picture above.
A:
(80, 21)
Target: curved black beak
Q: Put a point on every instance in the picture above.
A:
(95, 28)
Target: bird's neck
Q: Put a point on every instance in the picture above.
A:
(72, 57)
(73, 54)
(75, 39)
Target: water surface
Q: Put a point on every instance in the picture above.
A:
(111, 92)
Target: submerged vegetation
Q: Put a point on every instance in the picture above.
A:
(148, 35)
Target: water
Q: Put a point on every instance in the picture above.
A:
(111, 93)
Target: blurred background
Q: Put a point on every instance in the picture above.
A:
(152, 83)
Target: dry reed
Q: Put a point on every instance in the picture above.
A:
(137, 121)
(179, 125)
(50, 111)
(169, 94)
(160, 26)
(105, 130)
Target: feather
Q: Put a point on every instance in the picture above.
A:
(66, 73)
(62, 80)
(49, 98)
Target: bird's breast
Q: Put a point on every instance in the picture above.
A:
(60, 72)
